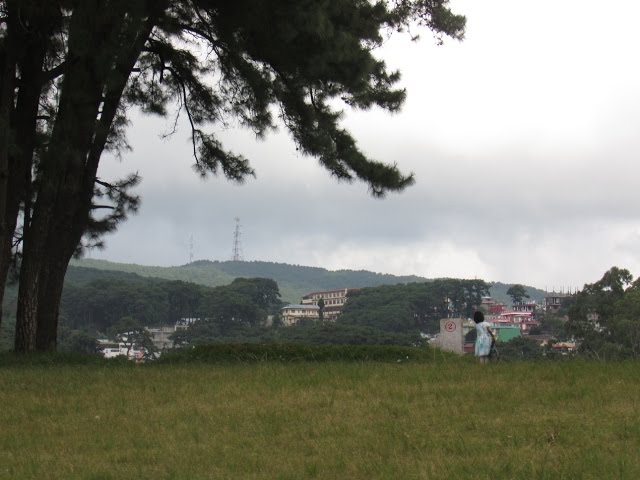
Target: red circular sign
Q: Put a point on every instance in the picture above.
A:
(450, 327)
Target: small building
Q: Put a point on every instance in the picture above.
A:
(334, 301)
(491, 306)
(113, 349)
(185, 323)
(553, 301)
(504, 332)
(160, 336)
(292, 314)
(525, 306)
(564, 347)
(524, 320)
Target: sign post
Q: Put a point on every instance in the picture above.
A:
(451, 336)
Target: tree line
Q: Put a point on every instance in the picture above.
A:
(605, 316)
(99, 305)
(414, 307)
(247, 310)
(603, 319)
(71, 70)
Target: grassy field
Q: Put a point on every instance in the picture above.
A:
(329, 420)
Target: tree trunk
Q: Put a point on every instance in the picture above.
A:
(61, 163)
(50, 294)
(94, 80)
(24, 125)
(26, 325)
(8, 53)
(29, 27)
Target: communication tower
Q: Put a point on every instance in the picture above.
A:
(191, 248)
(237, 244)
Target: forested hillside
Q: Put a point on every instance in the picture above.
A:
(237, 296)
(148, 283)
(294, 281)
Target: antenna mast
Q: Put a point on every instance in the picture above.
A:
(191, 248)
(237, 245)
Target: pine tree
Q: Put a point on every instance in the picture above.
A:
(80, 65)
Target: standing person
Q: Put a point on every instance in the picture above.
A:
(484, 337)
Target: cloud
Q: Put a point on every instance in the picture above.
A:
(523, 139)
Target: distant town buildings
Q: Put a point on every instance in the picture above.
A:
(553, 301)
(160, 337)
(112, 349)
(519, 319)
(309, 308)
(524, 320)
(507, 322)
(491, 306)
(524, 307)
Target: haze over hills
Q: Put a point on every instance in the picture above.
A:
(294, 281)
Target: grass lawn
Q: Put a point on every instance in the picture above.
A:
(330, 420)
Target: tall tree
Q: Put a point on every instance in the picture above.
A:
(244, 60)
(602, 310)
(517, 293)
(27, 31)
(321, 309)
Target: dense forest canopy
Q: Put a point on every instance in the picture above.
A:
(294, 281)
(414, 307)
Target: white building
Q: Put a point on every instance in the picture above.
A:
(292, 314)
(160, 336)
(334, 301)
(113, 349)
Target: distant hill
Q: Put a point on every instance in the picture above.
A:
(294, 281)
(193, 272)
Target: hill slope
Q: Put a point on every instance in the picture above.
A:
(294, 281)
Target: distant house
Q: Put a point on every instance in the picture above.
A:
(525, 306)
(308, 308)
(492, 306)
(185, 323)
(334, 301)
(523, 320)
(564, 347)
(553, 301)
(504, 332)
(292, 314)
(113, 349)
(160, 336)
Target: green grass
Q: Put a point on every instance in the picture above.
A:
(429, 419)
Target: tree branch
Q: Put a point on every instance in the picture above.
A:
(183, 89)
(97, 207)
(55, 72)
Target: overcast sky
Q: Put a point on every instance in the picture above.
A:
(524, 139)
